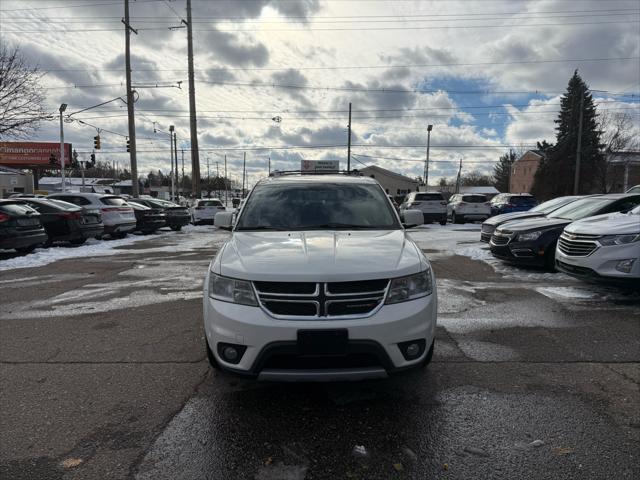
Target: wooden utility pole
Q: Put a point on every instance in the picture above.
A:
(244, 171)
(349, 142)
(175, 155)
(226, 185)
(576, 179)
(195, 155)
(458, 179)
(132, 121)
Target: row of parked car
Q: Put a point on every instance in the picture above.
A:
(594, 237)
(29, 221)
(465, 207)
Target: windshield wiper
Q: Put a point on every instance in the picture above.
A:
(333, 226)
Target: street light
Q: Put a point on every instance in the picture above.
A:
(426, 162)
(63, 107)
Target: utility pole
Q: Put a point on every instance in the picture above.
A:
(173, 186)
(195, 155)
(458, 179)
(208, 176)
(182, 183)
(217, 169)
(576, 180)
(269, 165)
(63, 107)
(426, 162)
(132, 121)
(175, 155)
(226, 184)
(244, 171)
(349, 142)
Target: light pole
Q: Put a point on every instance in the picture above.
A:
(63, 107)
(426, 162)
(173, 185)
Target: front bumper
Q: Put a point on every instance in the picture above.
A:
(601, 264)
(519, 253)
(23, 239)
(271, 345)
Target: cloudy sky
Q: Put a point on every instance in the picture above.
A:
(487, 74)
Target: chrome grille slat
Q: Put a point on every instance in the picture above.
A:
(575, 245)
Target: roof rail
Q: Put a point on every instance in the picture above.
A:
(278, 173)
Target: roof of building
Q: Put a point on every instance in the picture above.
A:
(483, 190)
(10, 171)
(624, 157)
(384, 171)
(316, 178)
(76, 181)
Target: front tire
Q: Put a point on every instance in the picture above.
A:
(28, 249)
(550, 258)
(176, 228)
(78, 241)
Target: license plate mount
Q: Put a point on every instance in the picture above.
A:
(323, 342)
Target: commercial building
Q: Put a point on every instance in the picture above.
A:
(393, 183)
(14, 181)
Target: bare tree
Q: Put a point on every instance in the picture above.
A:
(618, 134)
(21, 97)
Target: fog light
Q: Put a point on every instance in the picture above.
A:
(625, 266)
(412, 349)
(231, 353)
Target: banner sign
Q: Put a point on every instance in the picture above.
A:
(33, 154)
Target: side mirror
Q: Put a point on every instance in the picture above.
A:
(223, 220)
(412, 218)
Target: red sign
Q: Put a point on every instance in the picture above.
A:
(33, 154)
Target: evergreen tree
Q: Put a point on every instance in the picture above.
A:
(502, 171)
(555, 175)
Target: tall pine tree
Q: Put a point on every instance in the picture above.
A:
(555, 175)
(502, 171)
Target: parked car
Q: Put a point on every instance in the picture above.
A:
(63, 221)
(176, 216)
(512, 202)
(117, 215)
(20, 227)
(545, 208)
(602, 248)
(288, 297)
(635, 189)
(533, 241)
(203, 211)
(432, 205)
(148, 220)
(463, 207)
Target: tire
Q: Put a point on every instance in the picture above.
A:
(28, 249)
(443, 221)
(78, 241)
(176, 228)
(212, 359)
(550, 258)
(429, 357)
(119, 235)
(456, 219)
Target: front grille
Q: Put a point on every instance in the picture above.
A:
(575, 245)
(500, 240)
(321, 300)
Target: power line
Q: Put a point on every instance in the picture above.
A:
(72, 6)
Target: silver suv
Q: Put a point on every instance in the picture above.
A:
(432, 205)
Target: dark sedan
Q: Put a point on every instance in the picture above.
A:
(176, 215)
(532, 242)
(489, 225)
(148, 220)
(64, 221)
(20, 227)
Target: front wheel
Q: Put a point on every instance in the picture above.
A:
(78, 241)
(550, 258)
(443, 221)
(176, 228)
(119, 235)
(28, 249)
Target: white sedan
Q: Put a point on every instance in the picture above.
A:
(204, 210)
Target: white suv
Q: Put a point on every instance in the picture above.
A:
(319, 282)
(205, 210)
(117, 215)
(602, 248)
(463, 207)
(432, 205)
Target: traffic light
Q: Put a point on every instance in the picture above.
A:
(128, 145)
(93, 159)
(96, 142)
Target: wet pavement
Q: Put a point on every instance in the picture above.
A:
(103, 375)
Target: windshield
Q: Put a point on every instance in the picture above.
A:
(474, 198)
(305, 206)
(551, 205)
(636, 211)
(581, 208)
(209, 203)
(524, 200)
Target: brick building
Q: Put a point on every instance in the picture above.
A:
(524, 170)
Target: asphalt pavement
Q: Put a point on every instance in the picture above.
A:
(103, 375)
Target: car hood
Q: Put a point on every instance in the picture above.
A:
(319, 256)
(608, 224)
(537, 223)
(507, 217)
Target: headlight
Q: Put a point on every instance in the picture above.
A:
(231, 290)
(618, 239)
(409, 288)
(529, 237)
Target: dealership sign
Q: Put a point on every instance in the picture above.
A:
(32, 154)
(319, 165)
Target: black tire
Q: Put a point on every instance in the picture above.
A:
(119, 235)
(176, 228)
(443, 221)
(427, 359)
(455, 218)
(78, 241)
(212, 359)
(550, 258)
(28, 249)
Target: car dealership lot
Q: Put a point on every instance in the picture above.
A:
(104, 375)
